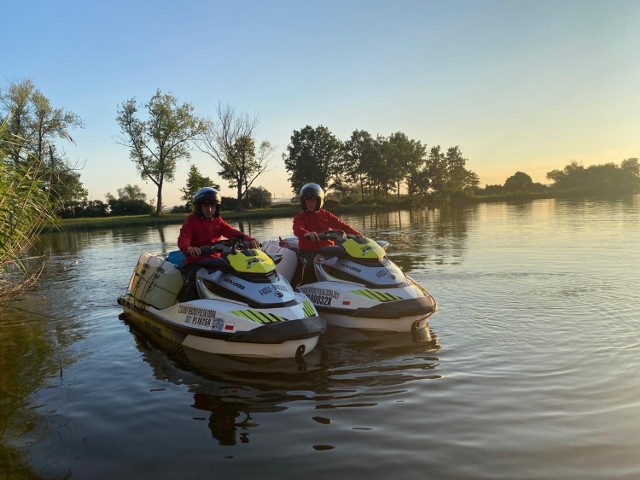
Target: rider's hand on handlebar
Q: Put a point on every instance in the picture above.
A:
(193, 251)
(312, 236)
(253, 243)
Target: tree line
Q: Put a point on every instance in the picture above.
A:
(382, 167)
(161, 132)
(376, 167)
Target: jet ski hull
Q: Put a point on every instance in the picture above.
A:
(239, 312)
(368, 293)
(290, 339)
(352, 305)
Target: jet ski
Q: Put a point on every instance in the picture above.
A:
(357, 286)
(244, 307)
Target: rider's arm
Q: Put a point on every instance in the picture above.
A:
(299, 225)
(184, 239)
(300, 230)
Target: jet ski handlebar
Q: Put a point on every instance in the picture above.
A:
(338, 236)
(226, 246)
(335, 235)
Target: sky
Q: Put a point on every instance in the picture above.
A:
(518, 85)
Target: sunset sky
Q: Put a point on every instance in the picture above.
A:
(518, 85)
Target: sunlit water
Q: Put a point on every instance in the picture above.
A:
(532, 372)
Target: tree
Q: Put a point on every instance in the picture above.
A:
(376, 168)
(259, 197)
(518, 182)
(359, 154)
(447, 173)
(230, 142)
(35, 126)
(63, 183)
(436, 170)
(572, 176)
(159, 142)
(405, 160)
(131, 193)
(195, 181)
(32, 119)
(631, 166)
(131, 201)
(313, 156)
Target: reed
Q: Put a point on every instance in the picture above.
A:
(25, 207)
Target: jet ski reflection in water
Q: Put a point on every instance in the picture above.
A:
(230, 394)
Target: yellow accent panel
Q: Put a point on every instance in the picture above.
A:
(358, 250)
(309, 310)
(260, 263)
(259, 317)
(380, 296)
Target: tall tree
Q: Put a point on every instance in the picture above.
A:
(359, 154)
(405, 159)
(36, 126)
(632, 166)
(436, 169)
(447, 173)
(376, 168)
(159, 142)
(459, 178)
(230, 142)
(313, 155)
(32, 119)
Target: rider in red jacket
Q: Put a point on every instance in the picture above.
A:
(204, 227)
(201, 229)
(314, 219)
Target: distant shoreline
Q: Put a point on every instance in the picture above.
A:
(284, 211)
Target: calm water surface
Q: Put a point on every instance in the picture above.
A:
(531, 371)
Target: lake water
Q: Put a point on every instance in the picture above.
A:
(531, 371)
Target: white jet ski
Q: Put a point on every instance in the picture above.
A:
(245, 307)
(357, 285)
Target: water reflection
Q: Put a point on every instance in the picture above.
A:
(349, 368)
(420, 238)
(30, 334)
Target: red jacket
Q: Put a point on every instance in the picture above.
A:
(318, 222)
(202, 232)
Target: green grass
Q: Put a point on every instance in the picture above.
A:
(80, 224)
